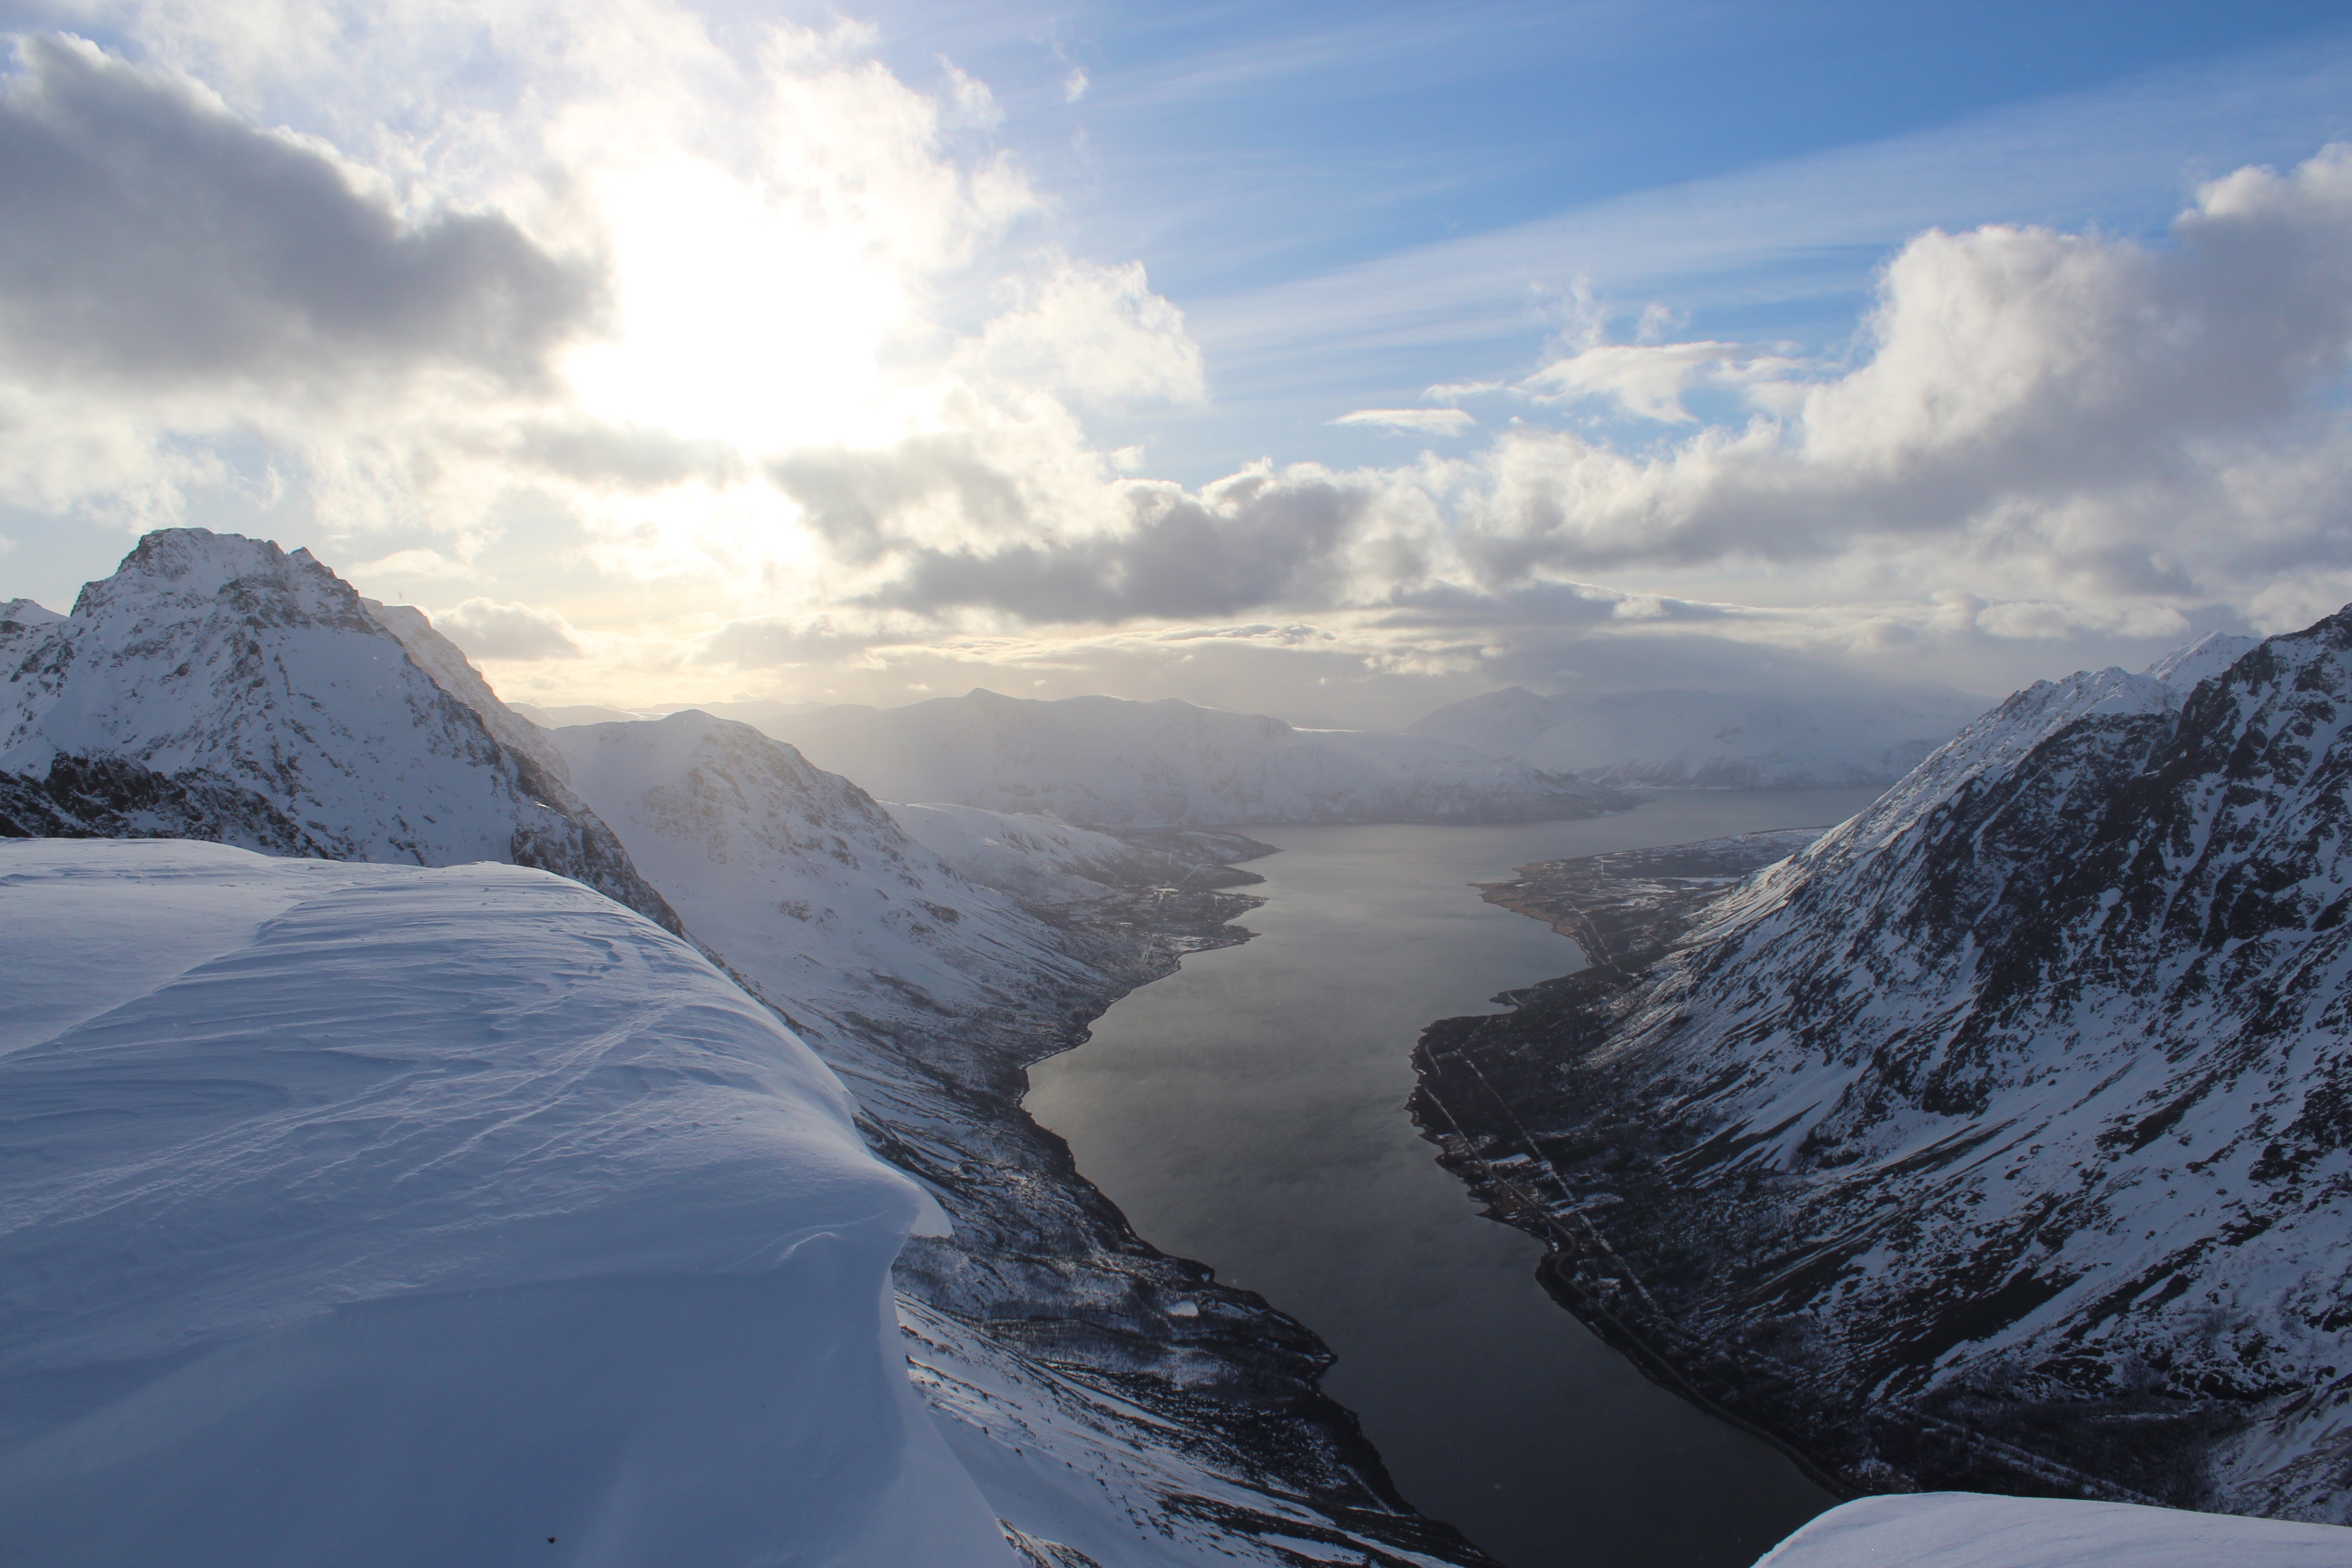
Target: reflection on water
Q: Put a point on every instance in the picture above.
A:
(1249, 1111)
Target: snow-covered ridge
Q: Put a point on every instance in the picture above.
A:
(217, 687)
(1109, 762)
(1702, 740)
(355, 1185)
(1044, 859)
(1998, 1138)
(24, 612)
(806, 884)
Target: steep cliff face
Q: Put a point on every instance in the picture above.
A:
(1999, 1137)
(217, 687)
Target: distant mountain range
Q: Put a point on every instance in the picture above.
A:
(1704, 740)
(1109, 762)
(1999, 1139)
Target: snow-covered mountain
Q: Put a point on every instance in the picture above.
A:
(1108, 761)
(808, 886)
(1044, 860)
(382, 1215)
(1704, 740)
(579, 713)
(1999, 1137)
(1104, 1402)
(217, 687)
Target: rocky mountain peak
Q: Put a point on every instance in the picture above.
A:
(218, 687)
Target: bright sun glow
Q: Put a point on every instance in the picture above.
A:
(737, 320)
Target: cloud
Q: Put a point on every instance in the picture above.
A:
(1426, 421)
(945, 528)
(762, 642)
(409, 565)
(2115, 420)
(2047, 416)
(153, 238)
(1096, 333)
(834, 400)
(1650, 381)
(595, 451)
(488, 629)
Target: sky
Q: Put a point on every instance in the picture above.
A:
(1330, 361)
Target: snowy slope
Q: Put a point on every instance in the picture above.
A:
(1702, 740)
(1999, 1137)
(1108, 761)
(1069, 1360)
(447, 666)
(24, 612)
(370, 1215)
(217, 687)
(1040, 858)
(808, 885)
(1967, 1529)
(1044, 860)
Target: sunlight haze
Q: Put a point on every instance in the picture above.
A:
(1331, 362)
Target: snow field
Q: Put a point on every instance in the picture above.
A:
(376, 1185)
(1970, 1530)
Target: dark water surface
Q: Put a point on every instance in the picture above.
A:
(1249, 1111)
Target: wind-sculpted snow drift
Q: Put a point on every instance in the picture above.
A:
(1964, 1530)
(1998, 1139)
(372, 1215)
(552, 1285)
(1108, 761)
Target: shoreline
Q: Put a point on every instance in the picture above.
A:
(1627, 911)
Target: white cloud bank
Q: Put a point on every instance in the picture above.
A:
(488, 629)
(1417, 421)
(2116, 431)
(685, 356)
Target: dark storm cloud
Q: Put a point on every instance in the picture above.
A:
(152, 238)
(629, 455)
(1253, 540)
